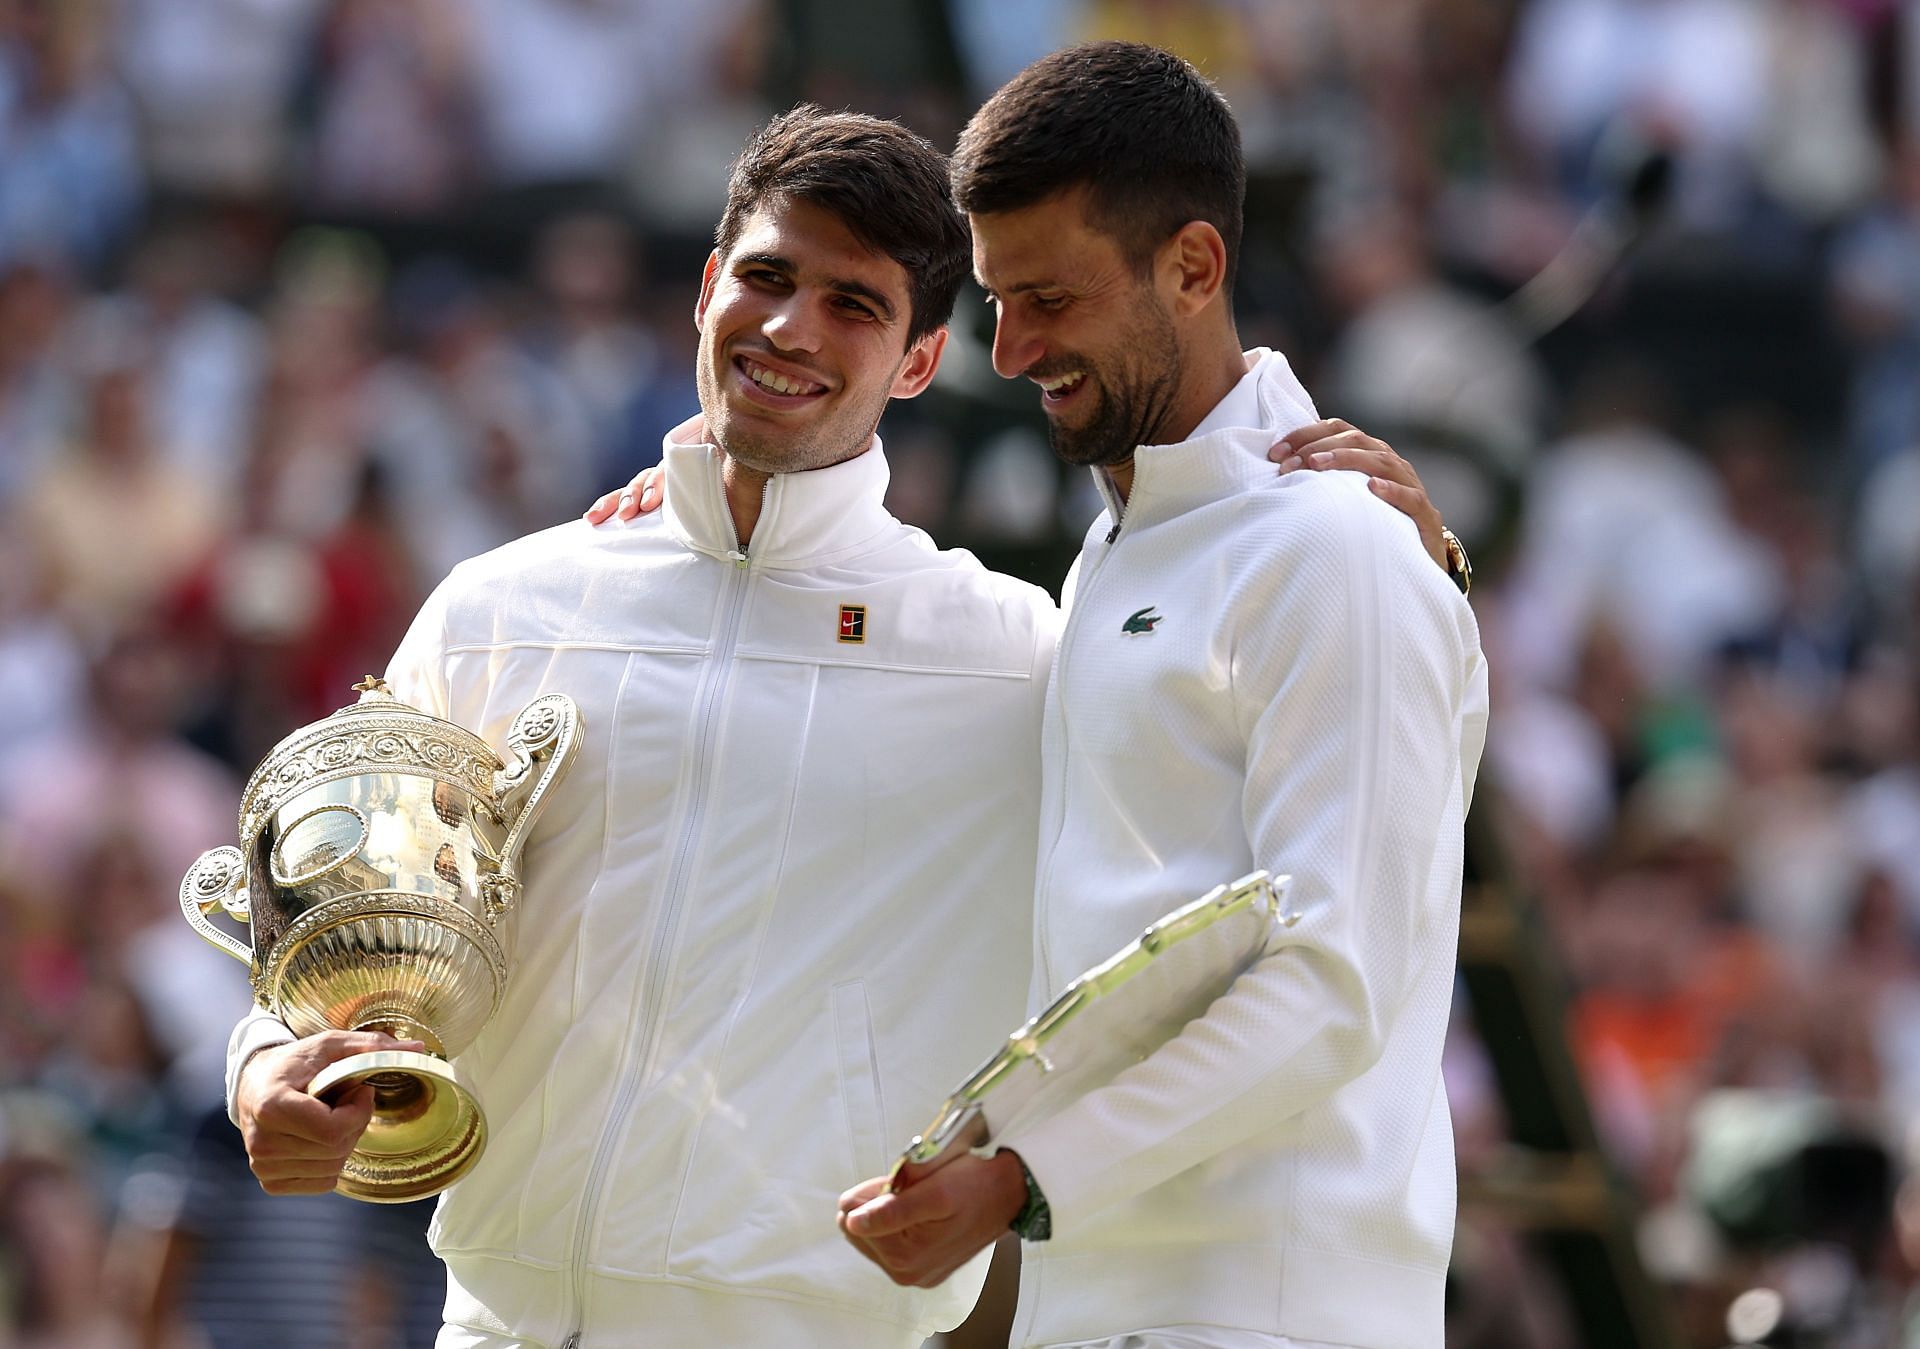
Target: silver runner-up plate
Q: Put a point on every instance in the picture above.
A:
(1110, 1018)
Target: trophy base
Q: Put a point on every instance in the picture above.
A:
(427, 1130)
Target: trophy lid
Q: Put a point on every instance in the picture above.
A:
(377, 734)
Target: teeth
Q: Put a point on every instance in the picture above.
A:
(1061, 383)
(773, 380)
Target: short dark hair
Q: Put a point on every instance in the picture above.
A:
(1152, 140)
(887, 185)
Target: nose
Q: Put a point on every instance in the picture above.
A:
(792, 325)
(1015, 345)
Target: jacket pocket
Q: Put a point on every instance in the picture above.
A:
(859, 1081)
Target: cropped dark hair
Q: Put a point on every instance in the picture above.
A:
(1152, 140)
(889, 187)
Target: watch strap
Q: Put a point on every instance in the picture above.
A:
(1034, 1222)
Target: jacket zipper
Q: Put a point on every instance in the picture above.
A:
(720, 670)
(1097, 560)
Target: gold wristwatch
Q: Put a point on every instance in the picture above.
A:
(1458, 568)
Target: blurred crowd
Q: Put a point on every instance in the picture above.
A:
(302, 301)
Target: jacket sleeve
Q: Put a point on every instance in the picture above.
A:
(1354, 672)
(417, 675)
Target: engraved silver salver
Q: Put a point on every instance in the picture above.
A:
(1107, 1020)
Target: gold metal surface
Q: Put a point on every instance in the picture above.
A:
(378, 874)
(427, 1130)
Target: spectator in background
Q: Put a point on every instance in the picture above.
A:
(1876, 298)
(277, 624)
(214, 80)
(121, 771)
(72, 182)
(1431, 365)
(562, 85)
(112, 456)
(478, 439)
(37, 300)
(341, 1274)
(1688, 75)
(42, 667)
(53, 1238)
(393, 131)
(589, 339)
(1624, 526)
(203, 354)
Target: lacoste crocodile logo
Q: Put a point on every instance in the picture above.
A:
(1140, 620)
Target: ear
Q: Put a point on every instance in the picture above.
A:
(1192, 268)
(916, 371)
(707, 279)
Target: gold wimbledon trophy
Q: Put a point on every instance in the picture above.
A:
(378, 871)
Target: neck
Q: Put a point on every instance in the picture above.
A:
(1214, 373)
(746, 489)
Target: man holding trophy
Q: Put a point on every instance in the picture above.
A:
(777, 905)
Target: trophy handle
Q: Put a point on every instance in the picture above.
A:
(541, 744)
(217, 880)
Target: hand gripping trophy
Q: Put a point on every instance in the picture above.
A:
(378, 871)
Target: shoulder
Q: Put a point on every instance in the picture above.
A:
(1322, 517)
(1323, 543)
(549, 573)
(959, 582)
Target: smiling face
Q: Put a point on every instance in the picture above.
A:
(1077, 317)
(803, 339)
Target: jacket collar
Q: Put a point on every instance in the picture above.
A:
(1169, 480)
(807, 517)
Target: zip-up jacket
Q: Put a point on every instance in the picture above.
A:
(1258, 672)
(776, 909)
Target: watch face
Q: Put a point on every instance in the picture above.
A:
(1457, 565)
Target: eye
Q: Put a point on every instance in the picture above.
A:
(764, 276)
(855, 308)
(1049, 302)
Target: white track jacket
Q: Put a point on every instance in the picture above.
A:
(776, 910)
(1258, 672)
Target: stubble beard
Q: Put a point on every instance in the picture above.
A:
(1136, 397)
(773, 452)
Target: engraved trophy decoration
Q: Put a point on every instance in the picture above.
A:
(378, 872)
(1110, 1018)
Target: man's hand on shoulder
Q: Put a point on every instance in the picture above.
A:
(297, 1143)
(922, 1234)
(639, 497)
(1334, 443)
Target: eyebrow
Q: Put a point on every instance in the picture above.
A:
(1021, 289)
(840, 286)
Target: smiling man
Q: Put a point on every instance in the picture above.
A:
(778, 904)
(1254, 672)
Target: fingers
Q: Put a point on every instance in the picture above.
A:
(286, 1162)
(888, 1212)
(1337, 444)
(296, 1142)
(1292, 442)
(643, 495)
(1413, 501)
(1380, 463)
(864, 1192)
(330, 1046)
(639, 497)
(1317, 437)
